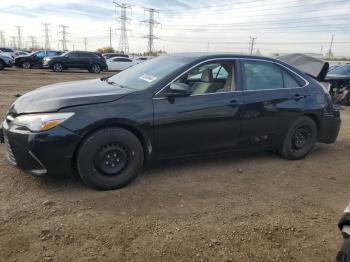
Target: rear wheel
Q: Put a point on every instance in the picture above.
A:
(300, 139)
(57, 67)
(110, 158)
(95, 68)
(26, 65)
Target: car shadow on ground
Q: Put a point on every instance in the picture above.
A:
(236, 161)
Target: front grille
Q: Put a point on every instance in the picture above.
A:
(10, 156)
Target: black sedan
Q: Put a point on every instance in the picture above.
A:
(171, 106)
(35, 59)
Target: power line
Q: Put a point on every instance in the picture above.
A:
(123, 19)
(64, 33)
(47, 36)
(151, 24)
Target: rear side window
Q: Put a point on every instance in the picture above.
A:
(121, 60)
(6, 50)
(52, 53)
(262, 75)
(289, 81)
(88, 55)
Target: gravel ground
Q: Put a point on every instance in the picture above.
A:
(231, 207)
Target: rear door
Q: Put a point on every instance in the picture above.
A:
(207, 120)
(74, 60)
(274, 97)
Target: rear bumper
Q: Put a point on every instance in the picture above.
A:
(329, 128)
(49, 152)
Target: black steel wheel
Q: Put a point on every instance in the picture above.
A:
(110, 158)
(299, 139)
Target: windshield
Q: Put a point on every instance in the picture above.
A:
(343, 70)
(148, 73)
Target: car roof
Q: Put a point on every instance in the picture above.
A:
(199, 55)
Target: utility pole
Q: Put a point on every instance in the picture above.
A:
(2, 39)
(330, 54)
(251, 44)
(19, 37)
(85, 43)
(47, 36)
(63, 32)
(123, 19)
(110, 36)
(151, 24)
(32, 40)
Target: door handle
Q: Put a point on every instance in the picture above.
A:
(235, 102)
(298, 97)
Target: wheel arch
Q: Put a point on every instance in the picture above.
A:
(141, 136)
(316, 119)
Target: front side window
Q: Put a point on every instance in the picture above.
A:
(40, 54)
(211, 78)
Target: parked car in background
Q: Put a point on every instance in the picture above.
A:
(120, 63)
(110, 55)
(23, 53)
(5, 61)
(78, 60)
(339, 79)
(140, 59)
(171, 106)
(9, 51)
(35, 59)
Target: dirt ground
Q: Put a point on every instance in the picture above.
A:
(232, 207)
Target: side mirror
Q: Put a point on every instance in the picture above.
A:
(178, 89)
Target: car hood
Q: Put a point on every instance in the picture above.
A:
(312, 66)
(55, 97)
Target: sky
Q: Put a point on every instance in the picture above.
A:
(186, 26)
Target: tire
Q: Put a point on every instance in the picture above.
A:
(2, 65)
(110, 158)
(300, 139)
(57, 67)
(26, 65)
(95, 68)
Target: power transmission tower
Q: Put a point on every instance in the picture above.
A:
(19, 37)
(330, 54)
(47, 35)
(63, 32)
(2, 39)
(151, 24)
(32, 40)
(13, 42)
(251, 44)
(85, 43)
(123, 19)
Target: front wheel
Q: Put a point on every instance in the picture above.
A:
(2, 65)
(57, 67)
(300, 139)
(110, 158)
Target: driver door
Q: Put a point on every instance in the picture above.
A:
(206, 120)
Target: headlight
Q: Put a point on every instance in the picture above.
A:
(41, 122)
